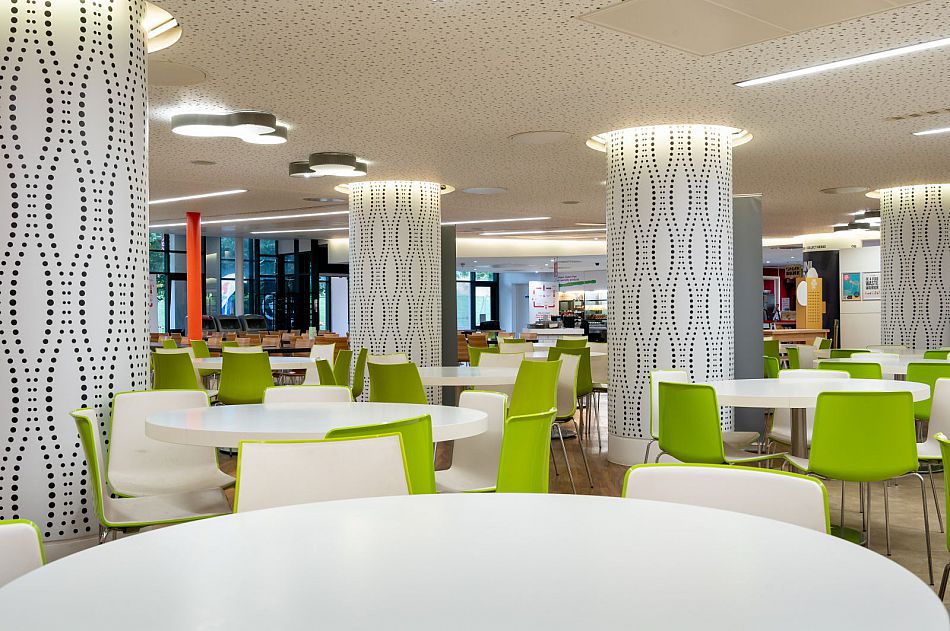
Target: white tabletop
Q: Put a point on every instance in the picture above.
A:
(803, 393)
(558, 332)
(542, 355)
(227, 425)
(276, 363)
(890, 368)
(474, 561)
(467, 376)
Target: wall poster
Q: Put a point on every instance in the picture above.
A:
(871, 288)
(851, 286)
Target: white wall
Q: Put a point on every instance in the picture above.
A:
(860, 319)
(508, 295)
(340, 304)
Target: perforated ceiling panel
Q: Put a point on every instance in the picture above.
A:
(669, 263)
(915, 266)
(73, 278)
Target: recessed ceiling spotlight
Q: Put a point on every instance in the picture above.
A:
(739, 137)
(336, 164)
(444, 189)
(570, 201)
(875, 194)
(844, 63)
(542, 137)
(323, 199)
(485, 190)
(169, 200)
(258, 128)
(161, 28)
(844, 190)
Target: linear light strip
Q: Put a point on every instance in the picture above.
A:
(169, 200)
(471, 221)
(844, 63)
(210, 222)
(299, 231)
(928, 132)
(560, 231)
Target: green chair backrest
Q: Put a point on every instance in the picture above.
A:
(771, 367)
(921, 372)
(535, 388)
(771, 348)
(169, 344)
(562, 343)
(841, 353)
(230, 344)
(244, 377)
(325, 373)
(416, 436)
(794, 359)
(857, 370)
(523, 464)
(174, 371)
(689, 423)
(199, 348)
(396, 383)
(585, 382)
(341, 367)
(824, 344)
(475, 353)
(359, 373)
(864, 436)
(937, 354)
(88, 427)
(945, 453)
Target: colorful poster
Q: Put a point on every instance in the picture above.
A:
(871, 289)
(851, 286)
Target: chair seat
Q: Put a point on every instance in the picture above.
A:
(181, 479)
(600, 387)
(798, 462)
(929, 450)
(130, 512)
(739, 439)
(736, 456)
(459, 480)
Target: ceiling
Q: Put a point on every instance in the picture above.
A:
(533, 264)
(432, 89)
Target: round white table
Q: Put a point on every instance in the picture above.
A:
(276, 363)
(227, 425)
(473, 561)
(467, 376)
(799, 394)
(542, 355)
(891, 369)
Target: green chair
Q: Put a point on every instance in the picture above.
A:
(396, 383)
(690, 429)
(921, 372)
(417, 444)
(585, 382)
(843, 353)
(865, 437)
(169, 344)
(824, 344)
(230, 344)
(568, 343)
(535, 389)
(341, 367)
(475, 353)
(200, 350)
(244, 377)
(939, 354)
(945, 452)
(771, 367)
(857, 370)
(325, 376)
(359, 373)
(794, 359)
(523, 465)
(174, 370)
(770, 348)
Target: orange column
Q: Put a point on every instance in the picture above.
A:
(193, 256)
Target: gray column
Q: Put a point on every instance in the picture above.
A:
(74, 277)
(238, 276)
(669, 267)
(747, 291)
(915, 266)
(450, 347)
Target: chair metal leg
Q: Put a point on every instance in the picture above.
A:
(646, 455)
(567, 463)
(866, 489)
(104, 532)
(841, 519)
(923, 502)
(887, 522)
(554, 461)
(600, 442)
(943, 581)
(933, 487)
(580, 446)
(658, 456)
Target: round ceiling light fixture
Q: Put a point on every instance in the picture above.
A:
(875, 194)
(739, 137)
(444, 189)
(161, 28)
(336, 164)
(258, 128)
(844, 190)
(301, 168)
(542, 137)
(485, 190)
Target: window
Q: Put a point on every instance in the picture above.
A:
(228, 269)
(476, 298)
(266, 301)
(166, 266)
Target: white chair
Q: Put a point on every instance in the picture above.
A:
(475, 459)
(928, 451)
(806, 357)
(138, 465)
(501, 360)
(391, 358)
(896, 349)
(781, 430)
(133, 513)
(816, 343)
(877, 357)
(788, 497)
(308, 394)
(21, 549)
(322, 351)
(736, 440)
(566, 407)
(504, 346)
(274, 474)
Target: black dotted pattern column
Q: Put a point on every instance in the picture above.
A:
(73, 275)
(669, 263)
(395, 271)
(915, 266)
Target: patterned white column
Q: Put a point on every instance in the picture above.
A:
(395, 270)
(74, 271)
(669, 266)
(915, 266)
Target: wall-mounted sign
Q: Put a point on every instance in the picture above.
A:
(871, 288)
(793, 271)
(851, 286)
